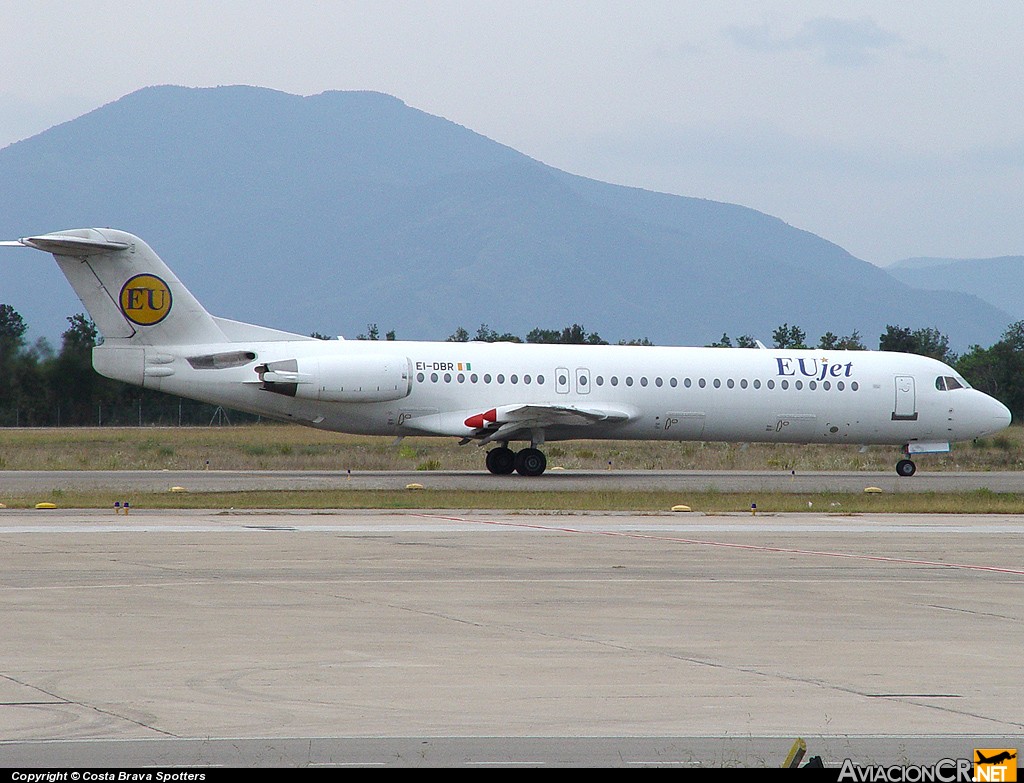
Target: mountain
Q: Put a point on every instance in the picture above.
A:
(998, 281)
(329, 212)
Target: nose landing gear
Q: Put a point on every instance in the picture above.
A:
(906, 468)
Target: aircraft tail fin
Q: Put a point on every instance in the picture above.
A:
(129, 291)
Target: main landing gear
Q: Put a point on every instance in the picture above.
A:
(906, 467)
(526, 462)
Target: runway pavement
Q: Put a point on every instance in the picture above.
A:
(24, 481)
(438, 638)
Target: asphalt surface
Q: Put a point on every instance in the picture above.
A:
(503, 639)
(24, 481)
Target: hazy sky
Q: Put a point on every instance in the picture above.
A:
(892, 129)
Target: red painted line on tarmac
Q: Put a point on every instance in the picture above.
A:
(729, 545)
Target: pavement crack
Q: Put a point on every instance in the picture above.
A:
(971, 611)
(56, 698)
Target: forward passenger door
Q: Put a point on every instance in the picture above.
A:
(905, 405)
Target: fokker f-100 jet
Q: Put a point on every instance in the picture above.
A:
(157, 335)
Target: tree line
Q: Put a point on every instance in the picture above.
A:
(44, 387)
(41, 386)
(568, 335)
(926, 342)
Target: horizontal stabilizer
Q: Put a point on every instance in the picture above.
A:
(64, 245)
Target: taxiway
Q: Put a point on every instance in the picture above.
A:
(24, 481)
(297, 637)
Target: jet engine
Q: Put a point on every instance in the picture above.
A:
(339, 378)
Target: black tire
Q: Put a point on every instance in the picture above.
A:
(530, 462)
(501, 461)
(906, 468)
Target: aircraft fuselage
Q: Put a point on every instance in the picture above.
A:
(785, 396)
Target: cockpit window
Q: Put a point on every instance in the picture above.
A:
(948, 383)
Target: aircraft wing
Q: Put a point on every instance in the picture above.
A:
(505, 421)
(501, 423)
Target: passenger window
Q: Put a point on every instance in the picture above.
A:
(799, 384)
(615, 380)
(771, 384)
(757, 384)
(447, 377)
(657, 382)
(419, 377)
(487, 377)
(540, 380)
(514, 379)
(672, 383)
(501, 378)
(702, 383)
(526, 379)
(433, 377)
(730, 383)
(643, 381)
(629, 380)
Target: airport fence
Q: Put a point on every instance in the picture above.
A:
(144, 411)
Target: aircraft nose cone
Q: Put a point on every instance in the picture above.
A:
(1003, 415)
(999, 416)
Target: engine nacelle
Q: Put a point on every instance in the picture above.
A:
(339, 378)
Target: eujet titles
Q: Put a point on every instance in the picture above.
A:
(157, 335)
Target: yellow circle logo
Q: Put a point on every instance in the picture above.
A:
(145, 300)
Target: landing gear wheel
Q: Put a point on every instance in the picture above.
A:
(906, 467)
(530, 462)
(501, 461)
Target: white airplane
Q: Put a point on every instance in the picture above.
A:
(158, 336)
